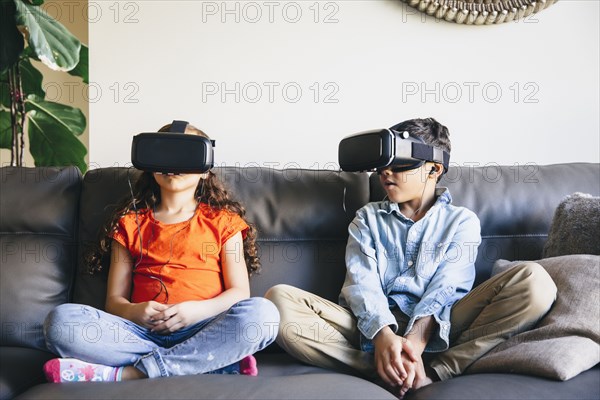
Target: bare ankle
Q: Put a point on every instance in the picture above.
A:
(130, 373)
(422, 377)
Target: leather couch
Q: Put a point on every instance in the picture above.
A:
(48, 215)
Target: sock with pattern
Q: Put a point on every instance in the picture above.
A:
(73, 370)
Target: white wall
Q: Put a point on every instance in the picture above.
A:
(521, 92)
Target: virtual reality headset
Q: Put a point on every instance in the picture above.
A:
(381, 148)
(173, 152)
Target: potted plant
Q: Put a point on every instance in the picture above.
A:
(28, 33)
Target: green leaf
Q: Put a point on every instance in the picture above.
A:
(54, 45)
(31, 79)
(52, 128)
(5, 130)
(82, 68)
(12, 43)
(71, 118)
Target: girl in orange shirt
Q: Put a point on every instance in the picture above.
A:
(178, 299)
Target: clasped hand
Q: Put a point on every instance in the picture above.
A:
(397, 362)
(164, 318)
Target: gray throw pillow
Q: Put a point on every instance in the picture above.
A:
(575, 227)
(566, 341)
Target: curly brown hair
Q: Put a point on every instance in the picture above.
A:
(146, 196)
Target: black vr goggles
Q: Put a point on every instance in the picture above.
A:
(174, 152)
(381, 148)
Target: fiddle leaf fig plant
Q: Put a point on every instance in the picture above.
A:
(28, 33)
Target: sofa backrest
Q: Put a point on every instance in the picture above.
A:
(515, 204)
(301, 215)
(302, 218)
(101, 192)
(48, 216)
(38, 242)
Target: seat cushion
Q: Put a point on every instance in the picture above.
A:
(512, 387)
(279, 377)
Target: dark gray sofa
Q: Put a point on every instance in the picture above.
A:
(49, 214)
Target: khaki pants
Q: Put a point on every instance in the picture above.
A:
(320, 332)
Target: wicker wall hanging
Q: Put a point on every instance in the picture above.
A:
(480, 12)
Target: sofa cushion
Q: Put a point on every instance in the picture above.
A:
(279, 377)
(38, 210)
(302, 218)
(297, 204)
(575, 227)
(511, 387)
(566, 340)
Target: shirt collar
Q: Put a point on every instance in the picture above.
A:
(442, 194)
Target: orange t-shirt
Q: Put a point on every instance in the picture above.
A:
(180, 261)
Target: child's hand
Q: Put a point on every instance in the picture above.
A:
(418, 380)
(415, 372)
(177, 316)
(390, 352)
(145, 314)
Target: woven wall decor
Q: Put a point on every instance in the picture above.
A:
(480, 12)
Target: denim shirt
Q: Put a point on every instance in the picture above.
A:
(421, 267)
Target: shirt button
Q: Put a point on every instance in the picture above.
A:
(410, 263)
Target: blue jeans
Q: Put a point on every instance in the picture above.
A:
(92, 335)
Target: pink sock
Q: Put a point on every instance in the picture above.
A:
(248, 366)
(73, 370)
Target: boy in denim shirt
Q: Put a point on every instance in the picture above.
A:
(410, 263)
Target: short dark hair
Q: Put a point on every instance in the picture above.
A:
(428, 129)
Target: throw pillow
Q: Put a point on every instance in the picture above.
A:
(575, 228)
(566, 340)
